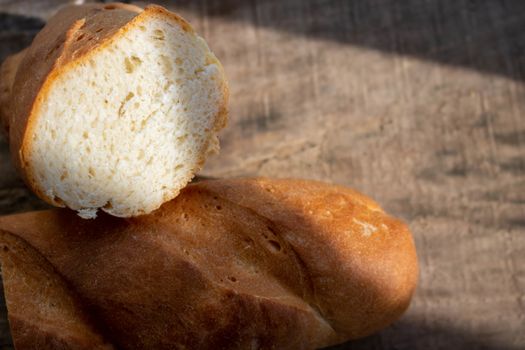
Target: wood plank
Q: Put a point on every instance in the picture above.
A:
(417, 104)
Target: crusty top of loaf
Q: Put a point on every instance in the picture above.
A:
(316, 263)
(356, 255)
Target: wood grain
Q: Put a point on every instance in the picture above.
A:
(419, 105)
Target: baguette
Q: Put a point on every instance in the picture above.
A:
(229, 264)
(112, 107)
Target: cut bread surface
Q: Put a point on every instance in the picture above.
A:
(127, 126)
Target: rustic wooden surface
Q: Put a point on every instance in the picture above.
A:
(419, 104)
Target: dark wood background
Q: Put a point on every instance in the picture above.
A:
(419, 104)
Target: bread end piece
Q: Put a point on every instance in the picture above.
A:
(123, 110)
(361, 262)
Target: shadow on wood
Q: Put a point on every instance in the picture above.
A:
(485, 36)
(17, 32)
(414, 335)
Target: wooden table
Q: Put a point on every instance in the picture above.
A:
(419, 104)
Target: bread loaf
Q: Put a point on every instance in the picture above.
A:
(228, 264)
(113, 107)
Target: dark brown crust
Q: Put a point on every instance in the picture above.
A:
(234, 263)
(44, 313)
(71, 36)
(7, 78)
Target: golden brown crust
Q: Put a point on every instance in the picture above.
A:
(286, 264)
(381, 270)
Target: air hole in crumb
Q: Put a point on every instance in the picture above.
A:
(58, 201)
(218, 207)
(275, 245)
(210, 60)
(185, 216)
(81, 36)
(158, 34)
(85, 135)
(141, 154)
(233, 279)
(128, 97)
(166, 86)
(166, 64)
(91, 172)
(132, 62)
(142, 28)
(178, 61)
(178, 166)
(88, 150)
(63, 176)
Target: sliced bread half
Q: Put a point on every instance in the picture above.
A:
(115, 108)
